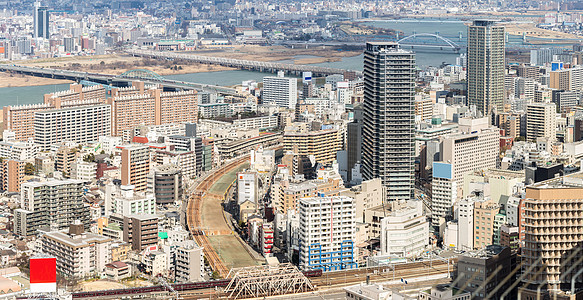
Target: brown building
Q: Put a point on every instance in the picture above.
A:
(11, 175)
(135, 166)
(140, 231)
(510, 123)
(20, 119)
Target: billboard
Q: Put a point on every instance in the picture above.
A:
(43, 275)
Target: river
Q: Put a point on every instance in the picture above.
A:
(453, 29)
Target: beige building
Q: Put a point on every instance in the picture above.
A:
(323, 144)
(553, 230)
(485, 210)
(367, 195)
(541, 121)
(423, 108)
(135, 166)
(476, 147)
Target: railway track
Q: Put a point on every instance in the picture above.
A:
(194, 210)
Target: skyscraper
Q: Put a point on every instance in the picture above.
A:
(486, 65)
(388, 135)
(41, 21)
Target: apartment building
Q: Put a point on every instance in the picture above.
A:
(135, 166)
(52, 204)
(65, 159)
(388, 132)
(74, 124)
(553, 220)
(165, 183)
(21, 118)
(124, 201)
(282, 91)
(322, 144)
(152, 107)
(327, 233)
(141, 231)
(258, 122)
(423, 108)
(486, 65)
(485, 211)
(79, 254)
(541, 121)
(189, 262)
(11, 175)
(443, 192)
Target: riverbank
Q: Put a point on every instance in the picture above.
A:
(316, 55)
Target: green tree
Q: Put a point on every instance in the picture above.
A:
(216, 275)
(29, 169)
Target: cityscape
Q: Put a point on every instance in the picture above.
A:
(264, 149)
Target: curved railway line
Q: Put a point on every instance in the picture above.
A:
(194, 217)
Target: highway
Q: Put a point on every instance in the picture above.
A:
(252, 65)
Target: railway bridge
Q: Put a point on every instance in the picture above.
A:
(124, 79)
(261, 66)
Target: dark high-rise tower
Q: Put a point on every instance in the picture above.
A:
(41, 21)
(486, 66)
(388, 135)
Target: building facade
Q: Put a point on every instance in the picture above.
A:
(388, 134)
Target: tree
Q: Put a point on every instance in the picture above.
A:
(89, 157)
(29, 169)
(216, 275)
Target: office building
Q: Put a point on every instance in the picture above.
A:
(135, 166)
(541, 121)
(354, 142)
(11, 175)
(388, 134)
(327, 233)
(41, 21)
(74, 124)
(486, 64)
(79, 254)
(405, 230)
(565, 100)
(474, 147)
(483, 271)
(50, 204)
(282, 91)
(165, 183)
(553, 216)
(465, 217)
(189, 262)
(322, 144)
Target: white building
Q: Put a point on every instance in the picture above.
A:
(327, 230)
(77, 124)
(257, 123)
(82, 170)
(78, 255)
(475, 147)
(189, 262)
(109, 143)
(443, 191)
(124, 201)
(405, 231)
(247, 189)
(280, 90)
(465, 211)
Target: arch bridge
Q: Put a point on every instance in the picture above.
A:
(141, 74)
(411, 41)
